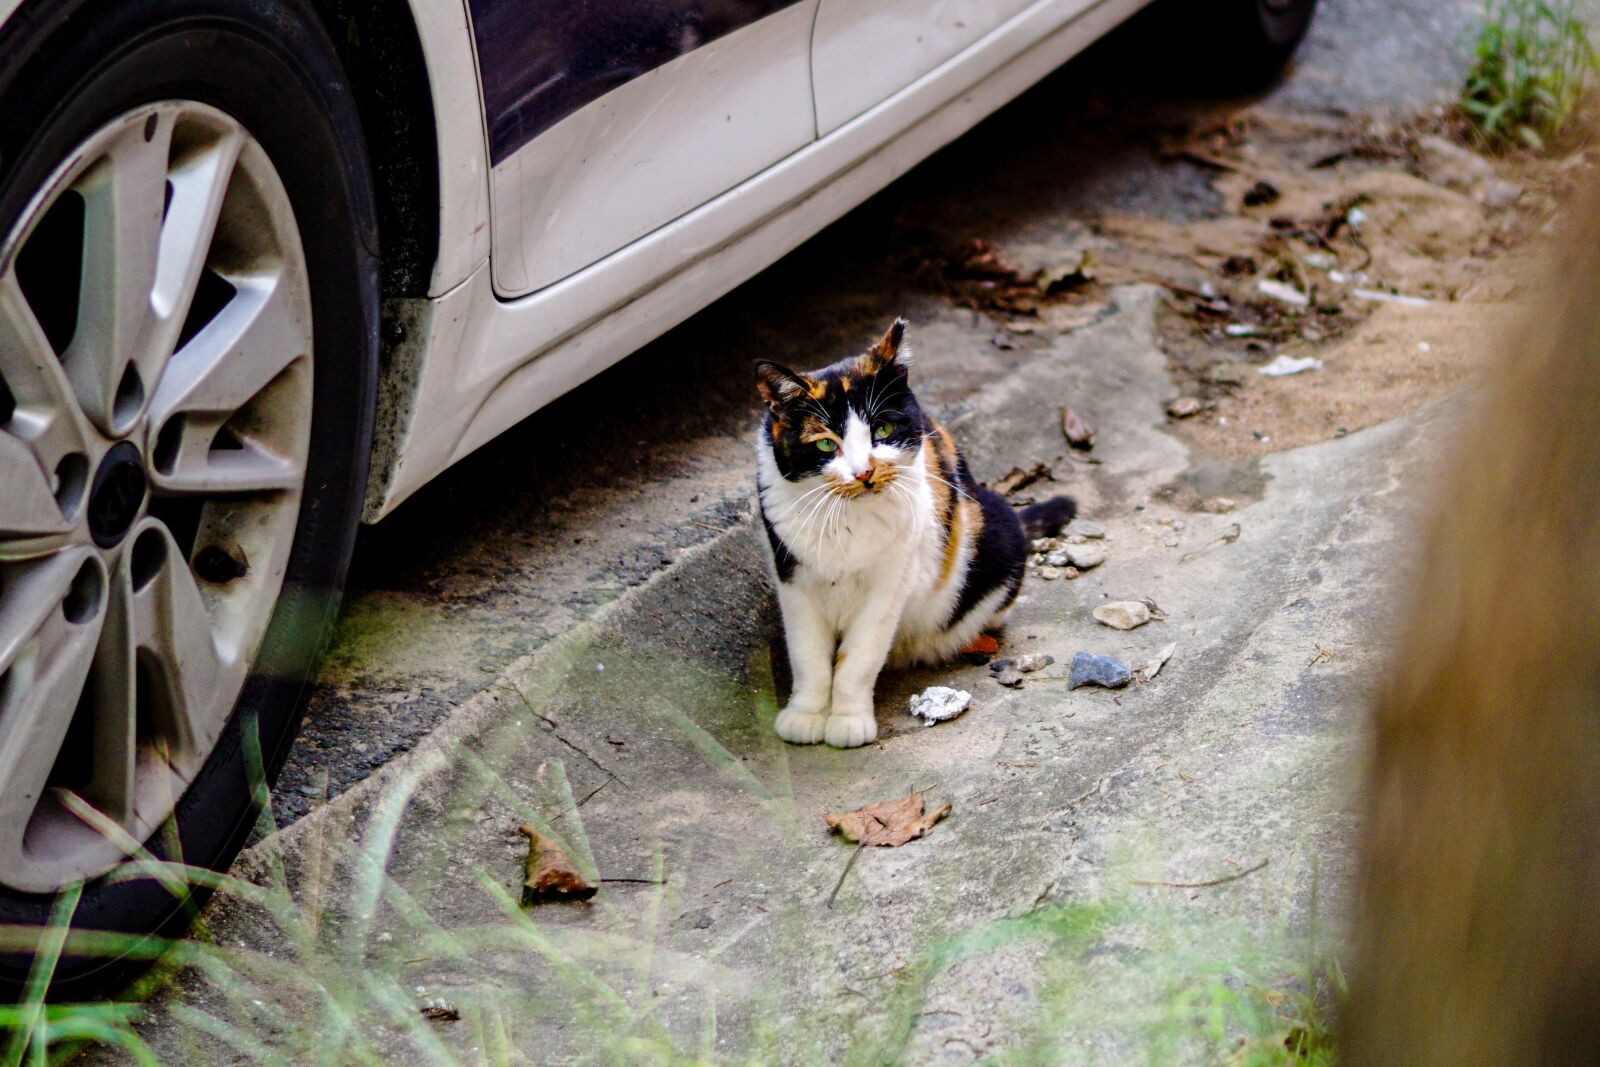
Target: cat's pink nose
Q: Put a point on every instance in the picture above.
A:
(864, 476)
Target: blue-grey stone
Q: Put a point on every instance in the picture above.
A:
(1091, 669)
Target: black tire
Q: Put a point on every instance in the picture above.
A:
(1234, 46)
(66, 68)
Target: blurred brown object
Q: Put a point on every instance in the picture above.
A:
(1478, 920)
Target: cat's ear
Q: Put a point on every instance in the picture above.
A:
(778, 384)
(890, 351)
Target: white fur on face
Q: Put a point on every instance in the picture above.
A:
(856, 454)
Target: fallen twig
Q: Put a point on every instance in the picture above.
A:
(1203, 885)
(851, 862)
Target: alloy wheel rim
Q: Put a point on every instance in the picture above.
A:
(155, 417)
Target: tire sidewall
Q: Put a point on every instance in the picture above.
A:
(268, 64)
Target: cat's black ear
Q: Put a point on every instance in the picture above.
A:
(890, 351)
(778, 384)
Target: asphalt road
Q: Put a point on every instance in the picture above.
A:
(597, 492)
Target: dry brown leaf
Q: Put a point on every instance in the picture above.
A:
(1079, 434)
(1017, 479)
(549, 875)
(887, 823)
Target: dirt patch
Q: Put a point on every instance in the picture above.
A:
(1390, 253)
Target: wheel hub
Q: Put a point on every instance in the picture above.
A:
(117, 495)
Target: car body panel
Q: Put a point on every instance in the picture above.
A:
(667, 140)
(453, 85)
(863, 53)
(544, 61)
(473, 364)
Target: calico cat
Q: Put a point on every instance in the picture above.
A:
(883, 545)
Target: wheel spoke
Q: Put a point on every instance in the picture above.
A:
(172, 632)
(44, 443)
(113, 690)
(28, 508)
(124, 194)
(239, 353)
(30, 593)
(199, 179)
(44, 675)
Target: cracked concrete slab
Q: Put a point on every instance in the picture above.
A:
(1102, 867)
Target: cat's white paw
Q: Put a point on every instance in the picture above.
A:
(801, 727)
(851, 731)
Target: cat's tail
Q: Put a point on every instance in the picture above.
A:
(1046, 518)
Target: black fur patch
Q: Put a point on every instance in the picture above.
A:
(1046, 518)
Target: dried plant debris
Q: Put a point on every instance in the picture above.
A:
(1227, 537)
(974, 274)
(1152, 667)
(549, 875)
(887, 823)
(438, 1009)
(1079, 434)
(1016, 479)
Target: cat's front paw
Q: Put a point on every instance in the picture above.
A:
(801, 727)
(850, 731)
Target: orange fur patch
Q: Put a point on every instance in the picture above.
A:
(952, 544)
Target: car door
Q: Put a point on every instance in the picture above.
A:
(609, 118)
(864, 51)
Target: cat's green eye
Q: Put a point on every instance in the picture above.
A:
(825, 444)
(882, 430)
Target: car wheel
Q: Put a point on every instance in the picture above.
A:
(1230, 45)
(188, 338)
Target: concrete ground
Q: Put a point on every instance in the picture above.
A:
(574, 631)
(1025, 923)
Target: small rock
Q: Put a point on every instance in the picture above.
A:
(937, 703)
(1219, 505)
(1178, 524)
(1033, 661)
(1085, 556)
(1077, 539)
(999, 665)
(1122, 614)
(1011, 678)
(1049, 573)
(1084, 528)
(1091, 669)
(1170, 542)
(1069, 573)
(1046, 544)
(1450, 164)
(1185, 406)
